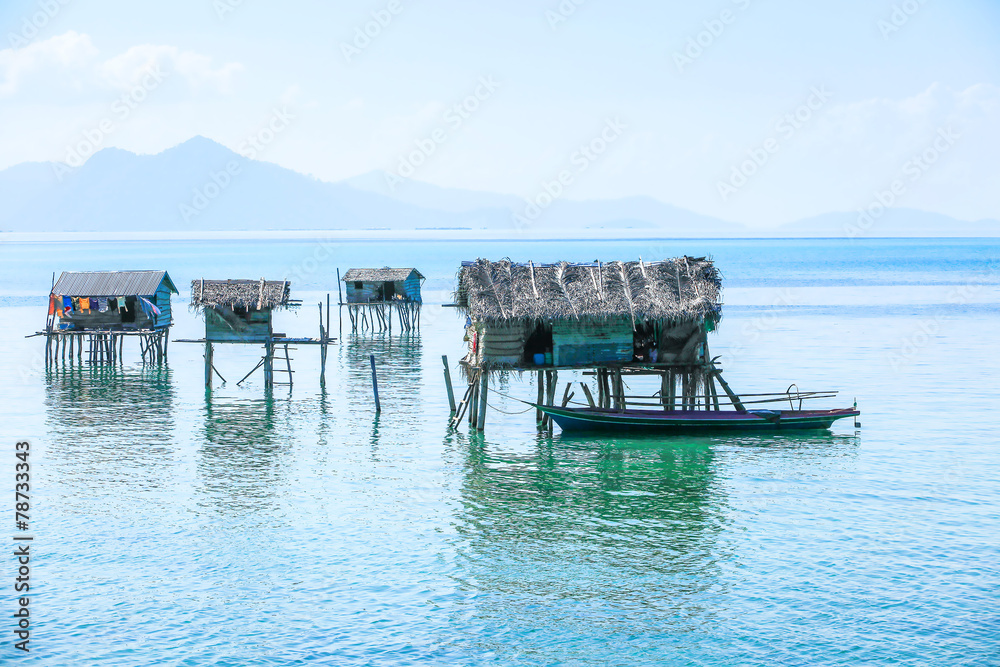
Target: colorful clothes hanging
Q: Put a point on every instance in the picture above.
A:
(76, 303)
(151, 306)
(52, 304)
(67, 303)
(84, 303)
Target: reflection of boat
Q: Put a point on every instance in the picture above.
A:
(602, 419)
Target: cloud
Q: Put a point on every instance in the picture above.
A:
(71, 62)
(67, 54)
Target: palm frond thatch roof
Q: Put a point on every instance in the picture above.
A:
(674, 290)
(250, 294)
(385, 274)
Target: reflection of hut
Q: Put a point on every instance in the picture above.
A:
(105, 306)
(371, 296)
(241, 312)
(621, 317)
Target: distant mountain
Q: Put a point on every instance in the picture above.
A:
(202, 185)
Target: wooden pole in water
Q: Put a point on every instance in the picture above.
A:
(539, 415)
(378, 405)
(733, 398)
(447, 383)
(474, 400)
(340, 308)
(208, 365)
(268, 365)
(484, 390)
(586, 392)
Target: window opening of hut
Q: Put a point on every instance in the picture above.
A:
(644, 342)
(539, 342)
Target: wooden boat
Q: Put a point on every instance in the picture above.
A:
(693, 421)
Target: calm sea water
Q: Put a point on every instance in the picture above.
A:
(178, 528)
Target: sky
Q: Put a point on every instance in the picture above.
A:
(761, 112)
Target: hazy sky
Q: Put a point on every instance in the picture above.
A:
(830, 102)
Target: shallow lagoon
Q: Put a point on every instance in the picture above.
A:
(175, 528)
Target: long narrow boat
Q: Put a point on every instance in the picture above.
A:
(693, 421)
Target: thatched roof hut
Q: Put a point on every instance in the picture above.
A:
(385, 284)
(682, 289)
(583, 314)
(240, 310)
(245, 294)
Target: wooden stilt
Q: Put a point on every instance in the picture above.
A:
(268, 365)
(208, 365)
(484, 390)
(590, 397)
(378, 405)
(733, 398)
(539, 415)
(474, 405)
(447, 384)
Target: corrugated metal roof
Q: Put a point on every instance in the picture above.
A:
(111, 283)
(384, 274)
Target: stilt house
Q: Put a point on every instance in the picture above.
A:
(637, 317)
(240, 311)
(525, 316)
(385, 284)
(372, 295)
(92, 312)
(112, 300)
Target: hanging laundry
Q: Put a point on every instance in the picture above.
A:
(52, 304)
(84, 303)
(102, 304)
(59, 313)
(151, 306)
(76, 303)
(112, 304)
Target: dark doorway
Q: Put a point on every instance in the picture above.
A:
(539, 342)
(388, 291)
(128, 315)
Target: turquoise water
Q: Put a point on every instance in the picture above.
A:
(237, 528)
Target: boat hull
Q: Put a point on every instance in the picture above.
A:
(701, 421)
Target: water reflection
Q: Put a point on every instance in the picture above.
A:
(398, 361)
(111, 428)
(240, 459)
(599, 523)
